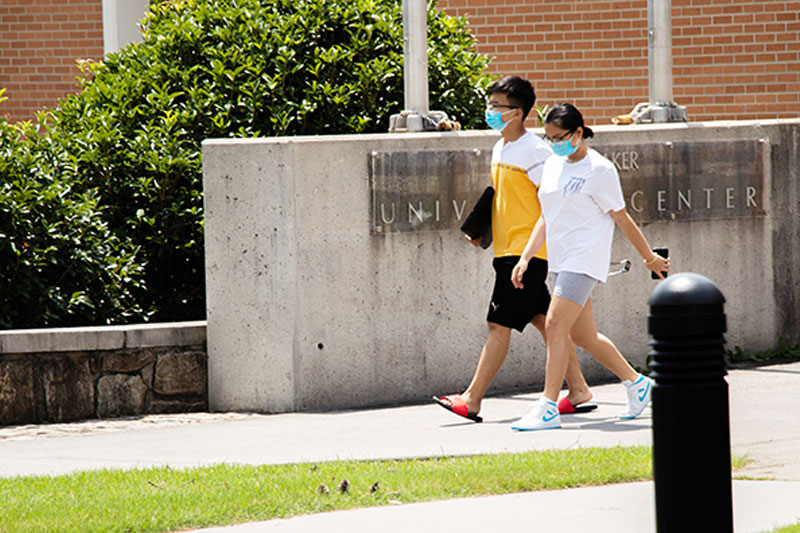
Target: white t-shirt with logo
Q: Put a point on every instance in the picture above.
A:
(576, 200)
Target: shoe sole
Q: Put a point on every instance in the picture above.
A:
(637, 414)
(535, 429)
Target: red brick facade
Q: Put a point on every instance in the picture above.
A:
(733, 59)
(40, 41)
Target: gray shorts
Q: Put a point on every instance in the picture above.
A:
(573, 286)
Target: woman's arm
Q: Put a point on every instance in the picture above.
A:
(652, 261)
(534, 243)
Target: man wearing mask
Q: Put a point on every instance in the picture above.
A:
(516, 172)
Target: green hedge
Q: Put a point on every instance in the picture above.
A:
(60, 264)
(130, 140)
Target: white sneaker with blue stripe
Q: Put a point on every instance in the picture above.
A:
(638, 393)
(544, 415)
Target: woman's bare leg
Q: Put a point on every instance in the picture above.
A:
(584, 334)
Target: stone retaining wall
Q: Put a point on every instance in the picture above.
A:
(67, 374)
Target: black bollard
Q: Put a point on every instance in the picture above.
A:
(691, 421)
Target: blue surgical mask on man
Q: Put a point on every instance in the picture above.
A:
(563, 148)
(494, 119)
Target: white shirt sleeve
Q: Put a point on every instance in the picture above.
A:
(608, 193)
(539, 156)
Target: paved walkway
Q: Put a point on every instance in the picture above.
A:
(764, 426)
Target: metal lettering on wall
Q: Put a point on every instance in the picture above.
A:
(424, 191)
(691, 180)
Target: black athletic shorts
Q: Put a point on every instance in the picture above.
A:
(512, 307)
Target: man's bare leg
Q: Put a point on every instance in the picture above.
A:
(492, 357)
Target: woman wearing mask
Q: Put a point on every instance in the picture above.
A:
(581, 201)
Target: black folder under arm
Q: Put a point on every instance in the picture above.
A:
(479, 221)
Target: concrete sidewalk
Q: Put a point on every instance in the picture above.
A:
(764, 426)
(627, 508)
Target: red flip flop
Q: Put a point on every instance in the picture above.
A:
(565, 407)
(456, 404)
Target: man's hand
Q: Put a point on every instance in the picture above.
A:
(473, 242)
(518, 272)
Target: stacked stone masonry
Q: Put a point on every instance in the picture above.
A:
(55, 385)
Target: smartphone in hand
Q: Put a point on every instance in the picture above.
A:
(663, 252)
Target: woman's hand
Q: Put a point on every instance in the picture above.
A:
(657, 264)
(518, 272)
(535, 241)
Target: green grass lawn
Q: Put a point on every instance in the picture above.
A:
(163, 499)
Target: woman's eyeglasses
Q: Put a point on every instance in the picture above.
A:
(559, 138)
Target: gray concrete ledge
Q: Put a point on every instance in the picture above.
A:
(24, 341)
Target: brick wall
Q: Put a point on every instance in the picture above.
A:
(40, 41)
(732, 59)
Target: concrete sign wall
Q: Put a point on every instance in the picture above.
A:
(337, 277)
(425, 191)
(699, 180)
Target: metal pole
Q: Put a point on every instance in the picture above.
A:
(416, 116)
(659, 21)
(415, 53)
(660, 108)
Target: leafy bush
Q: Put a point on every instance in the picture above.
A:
(131, 139)
(59, 262)
(786, 350)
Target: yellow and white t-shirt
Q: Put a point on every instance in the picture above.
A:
(516, 176)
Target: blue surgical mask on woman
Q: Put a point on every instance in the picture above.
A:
(563, 148)
(494, 119)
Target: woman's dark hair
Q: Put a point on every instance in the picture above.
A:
(519, 92)
(567, 117)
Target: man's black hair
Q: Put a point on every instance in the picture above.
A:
(519, 92)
